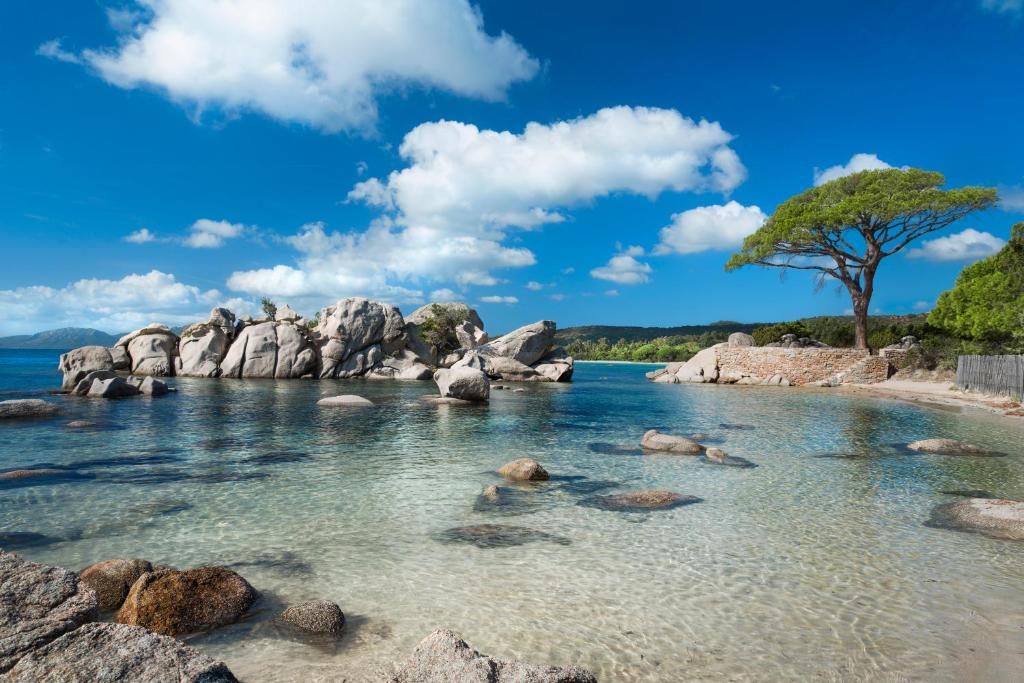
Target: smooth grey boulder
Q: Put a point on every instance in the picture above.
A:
(296, 356)
(116, 653)
(443, 657)
(153, 350)
(345, 400)
(202, 349)
(286, 313)
(120, 358)
(270, 349)
(115, 387)
(498, 367)
(112, 579)
(85, 384)
(653, 440)
(38, 604)
(528, 344)
(739, 339)
(988, 516)
(467, 384)
(316, 616)
(351, 326)
(77, 363)
(403, 364)
(26, 408)
(948, 447)
(556, 366)
(149, 386)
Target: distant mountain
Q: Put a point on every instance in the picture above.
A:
(64, 338)
(614, 332)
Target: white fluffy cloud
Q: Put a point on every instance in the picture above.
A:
(110, 305)
(499, 299)
(209, 234)
(856, 164)
(54, 50)
(446, 216)
(709, 228)
(624, 268)
(140, 236)
(317, 62)
(969, 245)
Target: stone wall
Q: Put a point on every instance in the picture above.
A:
(799, 366)
(897, 357)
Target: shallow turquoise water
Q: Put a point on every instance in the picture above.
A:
(806, 567)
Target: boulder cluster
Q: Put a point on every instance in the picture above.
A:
(355, 337)
(791, 341)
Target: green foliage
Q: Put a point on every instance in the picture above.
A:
(773, 333)
(269, 307)
(986, 304)
(438, 329)
(659, 349)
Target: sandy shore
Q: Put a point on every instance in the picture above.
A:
(941, 394)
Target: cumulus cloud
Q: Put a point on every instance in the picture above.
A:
(709, 228)
(447, 216)
(209, 234)
(140, 236)
(322, 63)
(969, 245)
(1012, 198)
(534, 286)
(856, 164)
(499, 299)
(624, 268)
(111, 305)
(53, 49)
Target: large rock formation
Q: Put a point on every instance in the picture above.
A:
(78, 363)
(355, 335)
(38, 604)
(456, 325)
(203, 345)
(280, 350)
(152, 350)
(443, 657)
(116, 653)
(528, 344)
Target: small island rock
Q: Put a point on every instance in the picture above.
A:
(524, 469)
(653, 440)
(27, 407)
(344, 400)
(316, 616)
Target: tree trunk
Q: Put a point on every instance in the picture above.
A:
(860, 322)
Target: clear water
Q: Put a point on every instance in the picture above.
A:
(804, 568)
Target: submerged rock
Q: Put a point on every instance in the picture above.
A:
(27, 408)
(316, 616)
(989, 516)
(653, 440)
(443, 657)
(614, 448)
(949, 447)
(82, 424)
(524, 469)
(190, 601)
(116, 653)
(112, 579)
(466, 384)
(345, 400)
(640, 501)
(717, 456)
(39, 604)
(12, 540)
(497, 536)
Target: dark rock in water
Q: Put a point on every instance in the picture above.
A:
(275, 457)
(27, 408)
(125, 461)
(614, 448)
(737, 427)
(39, 604)
(316, 616)
(716, 456)
(988, 516)
(286, 563)
(112, 579)
(115, 653)
(179, 602)
(157, 508)
(497, 536)
(443, 657)
(25, 539)
(587, 487)
(172, 476)
(507, 500)
(969, 493)
(640, 501)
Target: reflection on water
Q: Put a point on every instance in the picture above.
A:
(815, 565)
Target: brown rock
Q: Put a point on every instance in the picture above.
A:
(179, 602)
(317, 616)
(524, 469)
(112, 579)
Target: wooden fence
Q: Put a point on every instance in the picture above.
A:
(1001, 375)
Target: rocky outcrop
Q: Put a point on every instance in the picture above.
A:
(653, 440)
(355, 335)
(524, 469)
(989, 516)
(152, 350)
(38, 604)
(78, 363)
(905, 344)
(316, 616)
(791, 341)
(403, 364)
(443, 657)
(115, 653)
(112, 579)
(203, 345)
(528, 344)
(27, 408)
(466, 384)
(555, 366)
(122, 362)
(949, 447)
(741, 339)
(280, 350)
(173, 602)
(458, 325)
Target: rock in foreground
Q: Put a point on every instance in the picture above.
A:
(112, 579)
(115, 653)
(653, 440)
(443, 657)
(640, 501)
(345, 400)
(37, 605)
(989, 516)
(316, 616)
(173, 602)
(948, 447)
(27, 407)
(524, 469)
(467, 384)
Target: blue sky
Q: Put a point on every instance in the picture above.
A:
(590, 163)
